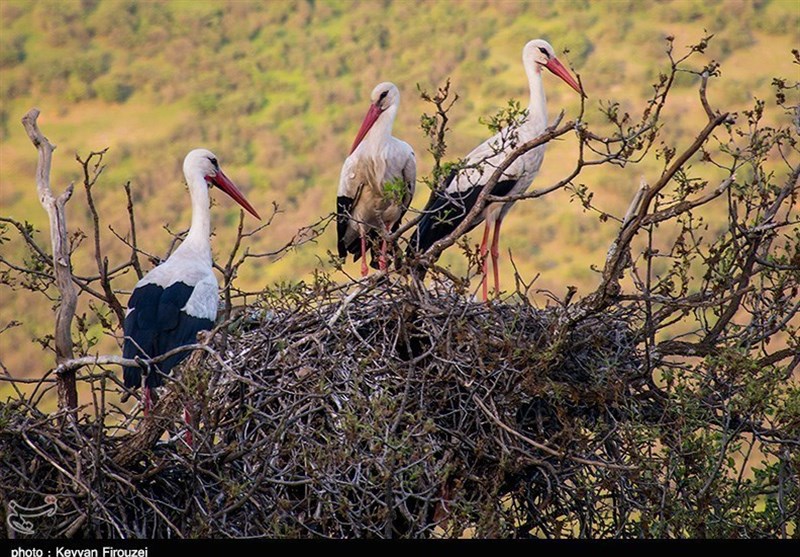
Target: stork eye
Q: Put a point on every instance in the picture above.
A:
(383, 95)
(214, 162)
(543, 50)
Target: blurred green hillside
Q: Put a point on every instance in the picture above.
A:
(277, 90)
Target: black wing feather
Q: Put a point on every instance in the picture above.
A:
(344, 207)
(445, 211)
(155, 325)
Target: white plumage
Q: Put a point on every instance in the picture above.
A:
(377, 181)
(178, 298)
(448, 207)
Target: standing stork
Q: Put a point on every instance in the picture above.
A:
(447, 207)
(178, 298)
(377, 182)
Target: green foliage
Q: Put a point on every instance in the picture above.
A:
(511, 116)
(113, 89)
(204, 102)
(90, 65)
(12, 50)
(77, 90)
(778, 16)
(395, 190)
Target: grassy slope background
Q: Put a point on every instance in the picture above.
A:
(277, 90)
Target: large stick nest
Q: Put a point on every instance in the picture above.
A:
(363, 411)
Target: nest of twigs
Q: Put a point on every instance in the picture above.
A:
(359, 411)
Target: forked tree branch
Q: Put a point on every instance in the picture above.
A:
(618, 256)
(62, 267)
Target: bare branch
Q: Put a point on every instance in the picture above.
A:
(89, 179)
(67, 393)
(132, 219)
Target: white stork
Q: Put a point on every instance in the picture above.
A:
(446, 208)
(377, 181)
(178, 298)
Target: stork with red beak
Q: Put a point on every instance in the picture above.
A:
(376, 184)
(449, 206)
(178, 298)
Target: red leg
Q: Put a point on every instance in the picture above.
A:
(148, 401)
(496, 255)
(187, 418)
(364, 270)
(484, 262)
(382, 260)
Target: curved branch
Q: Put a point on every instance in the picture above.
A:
(550, 133)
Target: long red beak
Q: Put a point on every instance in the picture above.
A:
(558, 68)
(224, 183)
(369, 120)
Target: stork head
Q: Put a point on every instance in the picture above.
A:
(384, 96)
(202, 162)
(539, 54)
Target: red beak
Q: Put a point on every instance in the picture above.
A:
(558, 68)
(223, 183)
(369, 120)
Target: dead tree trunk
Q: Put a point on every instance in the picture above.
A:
(62, 268)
